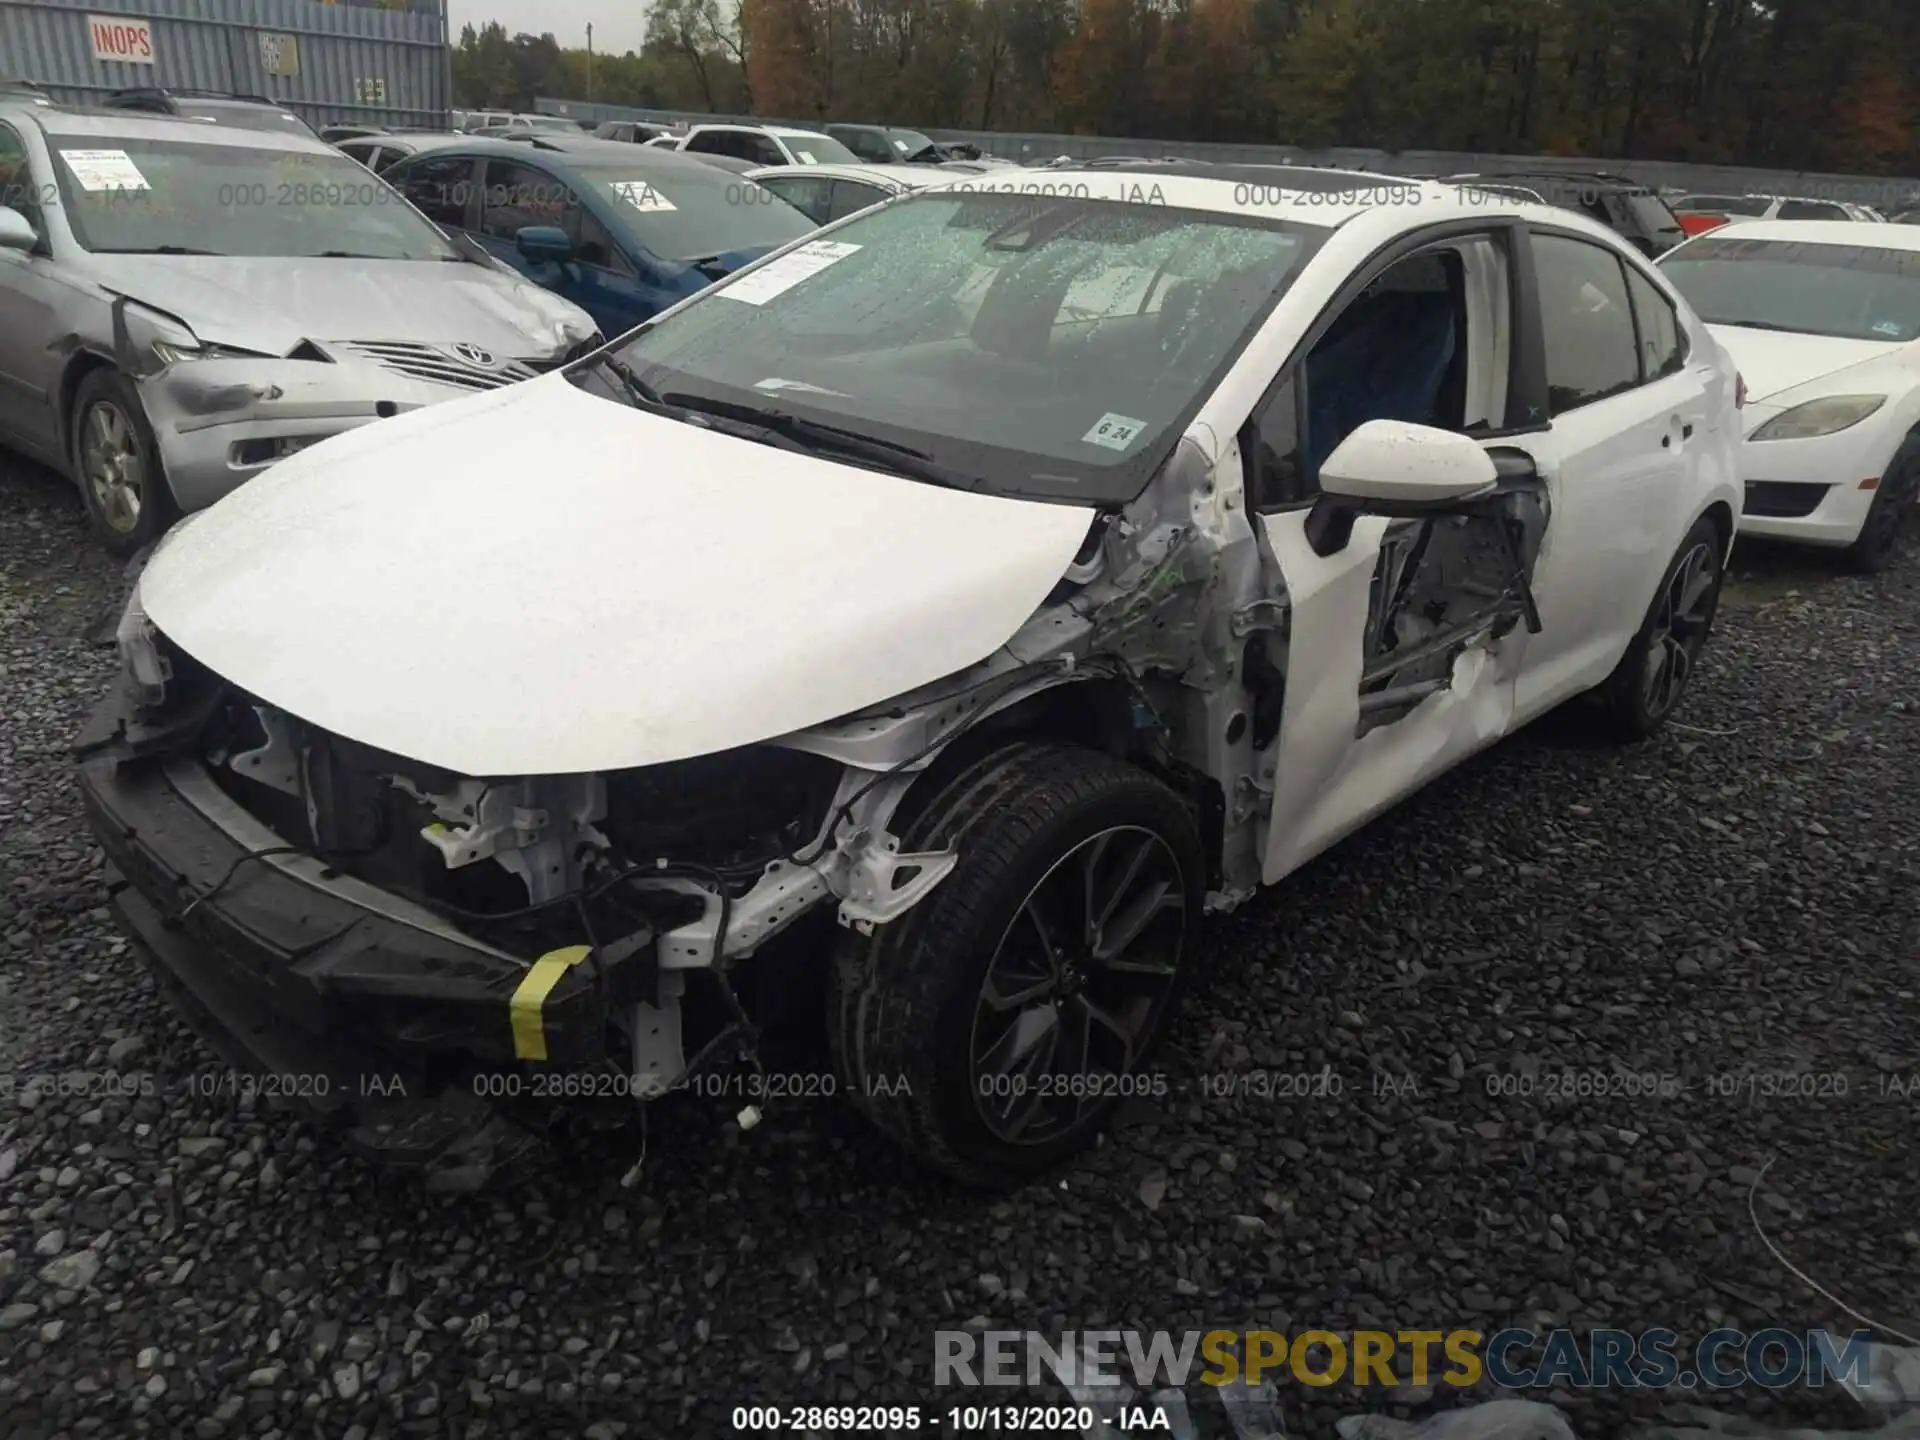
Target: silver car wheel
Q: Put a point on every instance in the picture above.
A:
(114, 465)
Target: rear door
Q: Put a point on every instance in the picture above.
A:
(1628, 409)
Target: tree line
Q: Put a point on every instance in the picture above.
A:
(1790, 84)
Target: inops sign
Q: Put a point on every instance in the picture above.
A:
(121, 37)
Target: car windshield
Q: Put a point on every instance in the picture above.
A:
(139, 195)
(1081, 335)
(694, 211)
(1853, 292)
(819, 150)
(907, 142)
(549, 122)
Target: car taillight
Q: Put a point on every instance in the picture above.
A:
(1739, 391)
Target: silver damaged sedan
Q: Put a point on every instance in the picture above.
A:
(183, 305)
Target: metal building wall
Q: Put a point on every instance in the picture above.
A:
(1883, 191)
(353, 63)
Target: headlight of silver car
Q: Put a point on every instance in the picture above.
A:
(1826, 416)
(173, 354)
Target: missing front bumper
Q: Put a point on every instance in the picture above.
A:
(379, 1020)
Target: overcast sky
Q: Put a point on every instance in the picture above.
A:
(618, 25)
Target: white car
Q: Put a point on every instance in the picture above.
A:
(1823, 319)
(1774, 207)
(1015, 636)
(768, 145)
(825, 193)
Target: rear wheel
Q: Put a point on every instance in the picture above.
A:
(1879, 539)
(1646, 686)
(117, 464)
(992, 1029)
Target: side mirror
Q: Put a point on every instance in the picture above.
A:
(544, 243)
(16, 231)
(1395, 468)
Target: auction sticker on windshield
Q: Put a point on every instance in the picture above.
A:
(1116, 432)
(777, 277)
(641, 195)
(98, 170)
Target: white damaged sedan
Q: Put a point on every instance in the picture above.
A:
(918, 632)
(1823, 318)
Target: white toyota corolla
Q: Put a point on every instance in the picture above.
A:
(1823, 319)
(1013, 572)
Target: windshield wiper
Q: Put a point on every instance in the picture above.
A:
(643, 395)
(154, 250)
(1759, 325)
(818, 438)
(350, 255)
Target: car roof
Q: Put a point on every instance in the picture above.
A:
(886, 175)
(100, 124)
(1299, 194)
(1532, 179)
(1820, 232)
(585, 151)
(781, 130)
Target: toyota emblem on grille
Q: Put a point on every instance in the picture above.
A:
(474, 355)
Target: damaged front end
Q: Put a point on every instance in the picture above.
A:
(221, 415)
(451, 965)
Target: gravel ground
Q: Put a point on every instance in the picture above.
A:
(1732, 899)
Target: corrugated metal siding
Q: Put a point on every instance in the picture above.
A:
(1884, 191)
(215, 45)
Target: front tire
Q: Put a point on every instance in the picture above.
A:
(991, 1029)
(117, 464)
(1648, 683)
(1879, 539)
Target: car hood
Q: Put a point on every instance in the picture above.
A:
(1771, 361)
(537, 580)
(271, 304)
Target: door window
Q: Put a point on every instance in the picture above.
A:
(595, 246)
(850, 196)
(1587, 322)
(725, 142)
(809, 194)
(1663, 344)
(519, 196)
(440, 189)
(17, 190)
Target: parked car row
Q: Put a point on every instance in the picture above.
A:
(1701, 213)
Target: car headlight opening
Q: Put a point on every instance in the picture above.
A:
(1826, 416)
(144, 663)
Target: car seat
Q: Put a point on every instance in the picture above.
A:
(1386, 359)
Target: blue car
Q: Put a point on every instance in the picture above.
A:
(621, 230)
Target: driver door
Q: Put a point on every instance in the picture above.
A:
(1404, 645)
